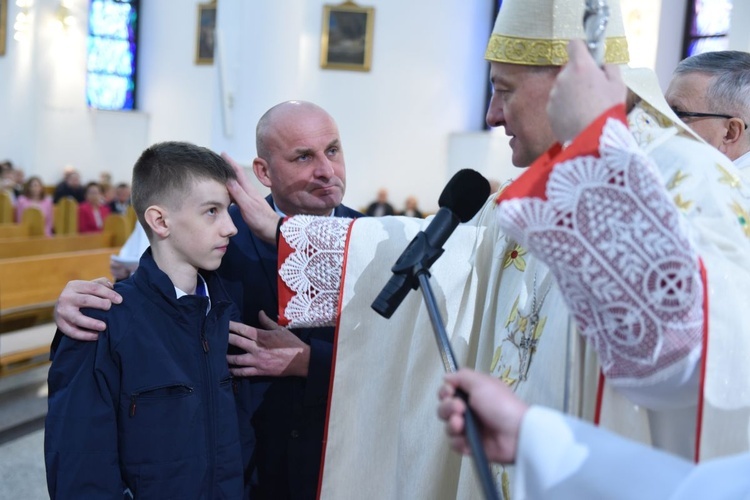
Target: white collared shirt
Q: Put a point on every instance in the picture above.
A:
(181, 293)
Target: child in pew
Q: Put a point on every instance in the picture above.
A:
(148, 410)
(33, 195)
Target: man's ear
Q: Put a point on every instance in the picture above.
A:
(260, 168)
(735, 130)
(156, 218)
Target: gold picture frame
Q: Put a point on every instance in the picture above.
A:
(205, 36)
(3, 25)
(346, 42)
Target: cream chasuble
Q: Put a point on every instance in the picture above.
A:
(623, 240)
(561, 458)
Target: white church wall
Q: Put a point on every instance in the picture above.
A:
(398, 121)
(428, 80)
(42, 94)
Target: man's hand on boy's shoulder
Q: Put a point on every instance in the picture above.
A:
(79, 294)
(273, 351)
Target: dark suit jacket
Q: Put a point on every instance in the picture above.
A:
(283, 454)
(373, 207)
(116, 207)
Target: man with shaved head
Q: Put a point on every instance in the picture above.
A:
(301, 161)
(283, 380)
(303, 178)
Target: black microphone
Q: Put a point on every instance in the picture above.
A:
(461, 199)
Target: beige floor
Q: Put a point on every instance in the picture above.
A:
(23, 404)
(22, 468)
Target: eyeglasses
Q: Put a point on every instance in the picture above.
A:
(692, 114)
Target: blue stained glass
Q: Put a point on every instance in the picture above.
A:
(711, 17)
(111, 62)
(110, 19)
(110, 56)
(109, 92)
(702, 45)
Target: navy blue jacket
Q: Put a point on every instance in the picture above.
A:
(150, 406)
(283, 449)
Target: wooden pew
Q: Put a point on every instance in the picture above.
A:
(65, 215)
(7, 212)
(13, 230)
(31, 224)
(29, 286)
(132, 218)
(25, 359)
(34, 219)
(119, 227)
(114, 235)
(33, 272)
(41, 245)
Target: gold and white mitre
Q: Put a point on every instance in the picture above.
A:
(537, 32)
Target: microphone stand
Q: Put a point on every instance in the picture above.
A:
(471, 428)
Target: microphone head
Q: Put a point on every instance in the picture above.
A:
(465, 194)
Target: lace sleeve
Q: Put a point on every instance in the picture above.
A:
(311, 254)
(613, 239)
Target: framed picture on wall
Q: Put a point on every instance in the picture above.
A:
(206, 35)
(346, 42)
(3, 25)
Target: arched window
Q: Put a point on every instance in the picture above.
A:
(111, 62)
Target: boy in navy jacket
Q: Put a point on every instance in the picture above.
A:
(148, 410)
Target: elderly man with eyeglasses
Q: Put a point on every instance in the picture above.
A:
(710, 92)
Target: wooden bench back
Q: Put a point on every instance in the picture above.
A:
(11, 230)
(7, 214)
(66, 216)
(31, 224)
(34, 219)
(117, 226)
(27, 283)
(11, 248)
(132, 218)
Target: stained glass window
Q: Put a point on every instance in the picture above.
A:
(707, 26)
(111, 63)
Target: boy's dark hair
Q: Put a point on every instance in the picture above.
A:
(165, 171)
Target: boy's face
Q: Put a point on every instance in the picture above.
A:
(201, 227)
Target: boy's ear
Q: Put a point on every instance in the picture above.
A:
(260, 167)
(156, 218)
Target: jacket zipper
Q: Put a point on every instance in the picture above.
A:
(210, 420)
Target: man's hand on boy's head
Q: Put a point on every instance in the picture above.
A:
(78, 294)
(274, 352)
(257, 213)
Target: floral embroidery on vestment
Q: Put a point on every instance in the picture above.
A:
(608, 233)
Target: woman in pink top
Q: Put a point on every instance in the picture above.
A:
(92, 211)
(33, 196)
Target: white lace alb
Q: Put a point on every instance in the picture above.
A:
(313, 270)
(611, 236)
